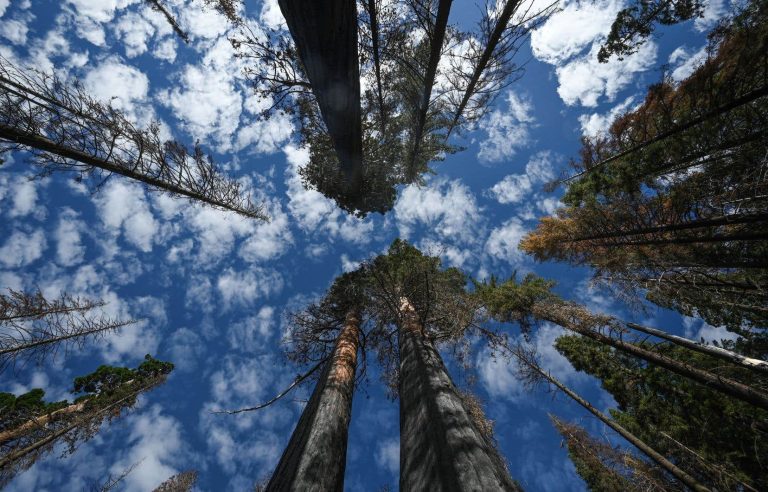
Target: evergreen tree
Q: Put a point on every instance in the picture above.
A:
(721, 451)
(672, 201)
(181, 482)
(30, 426)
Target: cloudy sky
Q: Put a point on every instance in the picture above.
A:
(213, 288)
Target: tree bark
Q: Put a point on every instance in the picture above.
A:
(720, 353)
(316, 455)
(634, 440)
(325, 34)
(573, 318)
(40, 421)
(440, 447)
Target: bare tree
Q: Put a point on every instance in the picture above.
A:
(158, 6)
(181, 482)
(65, 129)
(35, 328)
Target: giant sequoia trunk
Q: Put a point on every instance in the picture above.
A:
(440, 446)
(316, 455)
(325, 34)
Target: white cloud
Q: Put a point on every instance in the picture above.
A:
(21, 249)
(134, 31)
(499, 375)
(685, 62)
(572, 29)
(507, 129)
(514, 187)
(250, 334)
(244, 287)
(714, 10)
(447, 208)
(69, 248)
(123, 86)
(585, 80)
(502, 242)
(570, 40)
(165, 50)
(388, 455)
(122, 207)
(156, 442)
(14, 30)
(596, 124)
(23, 193)
(3, 6)
(186, 348)
(268, 240)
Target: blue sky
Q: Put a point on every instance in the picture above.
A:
(214, 288)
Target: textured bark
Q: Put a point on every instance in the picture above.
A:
(573, 317)
(719, 352)
(325, 34)
(316, 455)
(440, 447)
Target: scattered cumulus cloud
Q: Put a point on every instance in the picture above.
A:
(508, 129)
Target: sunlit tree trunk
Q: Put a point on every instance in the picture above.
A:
(316, 455)
(440, 446)
(719, 352)
(325, 33)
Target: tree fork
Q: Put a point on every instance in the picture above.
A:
(316, 455)
(440, 446)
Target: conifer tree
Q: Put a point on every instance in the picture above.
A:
(35, 328)
(672, 201)
(65, 129)
(181, 482)
(30, 426)
(724, 452)
(531, 300)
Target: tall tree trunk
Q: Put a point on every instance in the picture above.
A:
(40, 421)
(373, 16)
(634, 440)
(577, 319)
(316, 455)
(436, 48)
(325, 34)
(170, 185)
(693, 224)
(720, 353)
(493, 41)
(440, 446)
(739, 101)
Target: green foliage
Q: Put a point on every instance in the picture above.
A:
(725, 432)
(634, 24)
(15, 410)
(513, 301)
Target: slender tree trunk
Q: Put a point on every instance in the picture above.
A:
(56, 339)
(316, 455)
(372, 14)
(440, 446)
(40, 142)
(572, 317)
(739, 101)
(634, 440)
(436, 48)
(719, 238)
(493, 41)
(693, 224)
(325, 33)
(720, 353)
